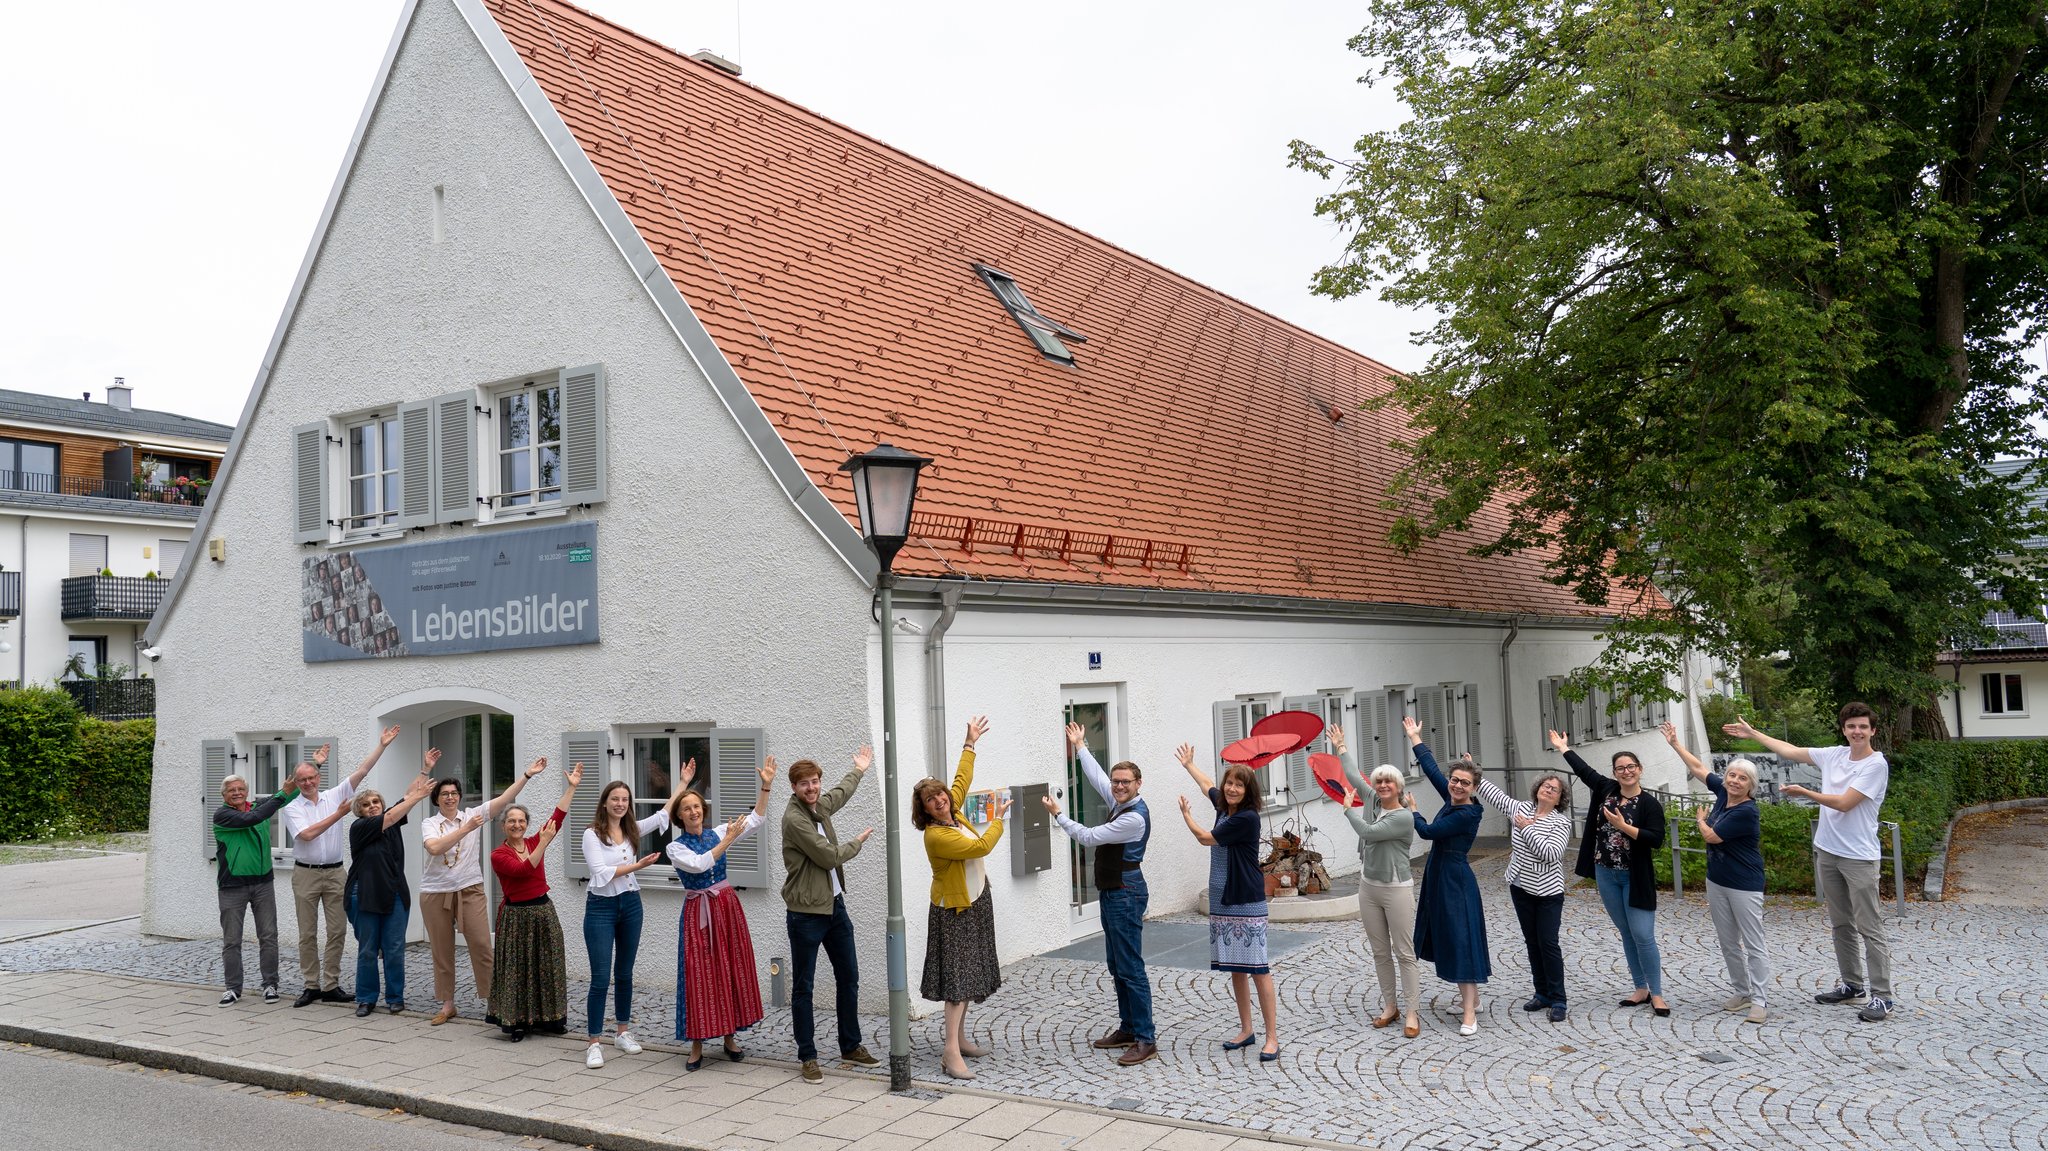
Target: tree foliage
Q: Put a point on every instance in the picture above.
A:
(1735, 298)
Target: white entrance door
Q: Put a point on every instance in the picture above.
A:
(1098, 708)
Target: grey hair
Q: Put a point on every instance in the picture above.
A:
(1387, 771)
(232, 779)
(363, 799)
(1745, 767)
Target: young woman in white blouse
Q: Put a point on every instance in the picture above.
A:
(612, 914)
(452, 885)
(717, 992)
(1536, 839)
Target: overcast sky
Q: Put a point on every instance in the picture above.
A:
(170, 160)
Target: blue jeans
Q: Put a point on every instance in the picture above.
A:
(1123, 944)
(611, 933)
(835, 932)
(379, 936)
(1638, 929)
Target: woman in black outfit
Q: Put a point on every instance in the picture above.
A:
(1624, 828)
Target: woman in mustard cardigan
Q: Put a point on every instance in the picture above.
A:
(960, 946)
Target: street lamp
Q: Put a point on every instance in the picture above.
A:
(884, 488)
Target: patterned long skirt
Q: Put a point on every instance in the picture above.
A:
(960, 953)
(717, 990)
(529, 978)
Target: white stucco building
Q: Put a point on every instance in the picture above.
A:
(579, 300)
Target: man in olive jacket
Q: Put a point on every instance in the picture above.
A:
(815, 892)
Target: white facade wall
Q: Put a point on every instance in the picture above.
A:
(717, 601)
(1969, 718)
(38, 545)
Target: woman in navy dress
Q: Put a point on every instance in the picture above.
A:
(1450, 927)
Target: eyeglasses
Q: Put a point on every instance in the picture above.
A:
(1628, 767)
(1123, 783)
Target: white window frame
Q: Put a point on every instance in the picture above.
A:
(628, 769)
(2008, 685)
(246, 745)
(493, 485)
(385, 420)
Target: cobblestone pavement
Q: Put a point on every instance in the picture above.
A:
(1963, 1063)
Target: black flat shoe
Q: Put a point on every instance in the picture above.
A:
(1644, 1001)
(1269, 1056)
(1661, 1012)
(735, 1054)
(363, 1009)
(696, 1064)
(1536, 1003)
(1241, 1044)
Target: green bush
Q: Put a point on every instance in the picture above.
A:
(109, 788)
(1786, 843)
(38, 737)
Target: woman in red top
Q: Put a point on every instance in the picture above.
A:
(529, 979)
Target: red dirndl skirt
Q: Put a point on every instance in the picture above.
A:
(717, 989)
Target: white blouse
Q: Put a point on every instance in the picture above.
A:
(699, 862)
(605, 859)
(459, 867)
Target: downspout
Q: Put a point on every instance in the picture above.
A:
(1507, 710)
(935, 682)
(21, 665)
(1959, 700)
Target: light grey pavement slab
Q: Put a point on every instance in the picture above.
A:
(59, 894)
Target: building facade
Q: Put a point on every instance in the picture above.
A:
(543, 460)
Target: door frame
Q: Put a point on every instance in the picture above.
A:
(1085, 917)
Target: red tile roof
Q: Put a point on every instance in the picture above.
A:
(1196, 431)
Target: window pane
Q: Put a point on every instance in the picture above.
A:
(549, 401)
(653, 769)
(515, 474)
(6, 461)
(40, 459)
(514, 421)
(388, 457)
(362, 497)
(1994, 700)
(390, 504)
(551, 472)
(362, 451)
(2012, 694)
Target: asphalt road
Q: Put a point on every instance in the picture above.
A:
(64, 893)
(58, 1103)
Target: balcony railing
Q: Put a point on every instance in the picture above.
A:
(112, 597)
(188, 494)
(10, 595)
(113, 698)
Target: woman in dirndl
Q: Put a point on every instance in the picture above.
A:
(717, 992)
(529, 971)
(1237, 897)
(960, 964)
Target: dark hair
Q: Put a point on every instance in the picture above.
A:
(627, 829)
(925, 788)
(804, 769)
(1614, 760)
(434, 795)
(1564, 789)
(1855, 711)
(1466, 765)
(1252, 801)
(1127, 765)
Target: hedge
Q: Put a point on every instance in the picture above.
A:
(64, 774)
(1929, 781)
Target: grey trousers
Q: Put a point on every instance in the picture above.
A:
(1739, 924)
(318, 890)
(1849, 889)
(1388, 914)
(260, 898)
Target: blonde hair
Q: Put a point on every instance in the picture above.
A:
(1387, 771)
(363, 798)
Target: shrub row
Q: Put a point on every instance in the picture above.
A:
(65, 774)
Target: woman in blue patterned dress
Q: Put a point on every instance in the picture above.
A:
(1237, 897)
(717, 991)
(1450, 926)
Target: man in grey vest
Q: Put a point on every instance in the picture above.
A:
(1119, 848)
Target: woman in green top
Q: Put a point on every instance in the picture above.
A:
(1386, 886)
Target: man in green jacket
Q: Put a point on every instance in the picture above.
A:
(814, 891)
(242, 835)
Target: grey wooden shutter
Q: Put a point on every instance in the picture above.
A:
(1431, 708)
(330, 774)
(1369, 746)
(415, 464)
(583, 451)
(215, 759)
(1472, 723)
(587, 748)
(454, 457)
(1227, 718)
(735, 780)
(1299, 781)
(1546, 707)
(309, 483)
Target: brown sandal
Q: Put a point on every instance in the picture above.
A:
(441, 1016)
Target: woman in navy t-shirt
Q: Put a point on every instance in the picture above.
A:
(1733, 829)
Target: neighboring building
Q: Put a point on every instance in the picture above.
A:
(86, 489)
(1996, 682)
(543, 461)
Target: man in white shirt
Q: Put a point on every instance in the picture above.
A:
(313, 820)
(1853, 780)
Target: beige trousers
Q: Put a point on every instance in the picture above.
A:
(1388, 914)
(316, 890)
(443, 910)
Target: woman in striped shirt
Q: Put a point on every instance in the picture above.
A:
(1536, 838)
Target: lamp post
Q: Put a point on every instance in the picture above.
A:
(884, 488)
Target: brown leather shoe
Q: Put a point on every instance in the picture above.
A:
(1115, 1039)
(1411, 1029)
(1386, 1020)
(441, 1016)
(1139, 1052)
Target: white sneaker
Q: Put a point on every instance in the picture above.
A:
(595, 1057)
(625, 1042)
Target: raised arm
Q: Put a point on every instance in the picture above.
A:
(1185, 753)
(1201, 834)
(1692, 762)
(835, 799)
(1091, 770)
(1491, 792)
(553, 827)
(356, 777)
(497, 807)
(1580, 767)
(414, 792)
(1352, 775)
(318, 827)
(1741, 729)
(1426, 758)
(963, 774)
(1126, 828)
(225, 816)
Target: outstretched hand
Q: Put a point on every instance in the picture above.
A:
(1185, 753)
(1558, 743)
(689, 771)
(575, 774)
(768, 770)
(1408, 800)
(1185, 809)
(1740, 729)
(976, 728)
(1670, 732)
(1411, 725)
(320, 755)
(432, 757)
(863, 836)
(1001, 808)
(1052, 806)
(1076, 735)
(1350, 795)
(864, 759)
(384, 739)
(1336, 737)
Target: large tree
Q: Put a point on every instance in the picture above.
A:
(1735, 299)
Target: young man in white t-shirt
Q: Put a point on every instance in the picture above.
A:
(1846, 855)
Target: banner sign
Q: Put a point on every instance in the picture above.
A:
(492, 592)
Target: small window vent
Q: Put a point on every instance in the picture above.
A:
(1049, 334)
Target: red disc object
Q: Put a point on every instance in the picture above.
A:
(1330, 776)
(1258, 750)
(1301, 726)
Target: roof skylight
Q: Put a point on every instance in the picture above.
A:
(1044, 331)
